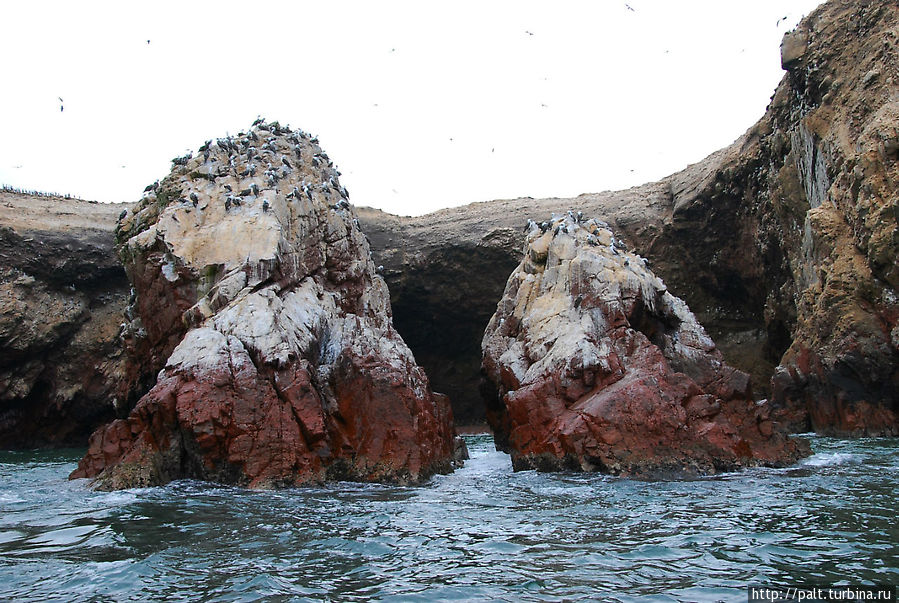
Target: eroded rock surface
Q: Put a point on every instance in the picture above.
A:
(784, 244)
(257, 295)
(835, 121)
(62, 291)
(596, 366)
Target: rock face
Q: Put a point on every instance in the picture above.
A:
(62, 291)
(596, 366)
(445, 272)
(257, 298)
(784, 244)
(833, 127)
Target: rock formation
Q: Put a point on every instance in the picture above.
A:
(784, 244)
(596, 366)
(62, 291)
(834, 123)
(258, 299)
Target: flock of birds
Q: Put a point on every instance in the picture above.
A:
(570, 222)
(259, 161)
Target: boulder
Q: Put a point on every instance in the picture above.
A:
(256, 293)
(594, 365)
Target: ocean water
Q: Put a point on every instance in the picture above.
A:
(481, 534)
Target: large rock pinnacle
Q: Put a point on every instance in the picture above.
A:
(256, 295)
(594, 365)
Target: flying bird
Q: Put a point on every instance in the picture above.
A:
(60, 103)
(628, 6)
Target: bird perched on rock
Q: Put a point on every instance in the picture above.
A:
(194, 198)
(123, 214)
(254, 189)
(265, 205)
(285, 162)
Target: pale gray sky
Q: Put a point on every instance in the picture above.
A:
(422, 105)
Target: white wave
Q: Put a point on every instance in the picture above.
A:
(828, 459)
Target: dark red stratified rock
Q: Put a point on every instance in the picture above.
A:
(596, 366)
(280, 362)
(233, 423)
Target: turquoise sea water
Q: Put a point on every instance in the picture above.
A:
(483, 533)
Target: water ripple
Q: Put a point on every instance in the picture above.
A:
(482, 533)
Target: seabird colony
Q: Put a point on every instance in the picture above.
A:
(269, 144)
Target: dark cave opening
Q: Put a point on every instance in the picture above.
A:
(441, 308)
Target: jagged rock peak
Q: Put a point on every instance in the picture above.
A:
(255, 293)
(595, 366)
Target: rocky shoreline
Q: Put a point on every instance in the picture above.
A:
(783, 245)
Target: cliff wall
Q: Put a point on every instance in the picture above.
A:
(62, 292)
(783, 244)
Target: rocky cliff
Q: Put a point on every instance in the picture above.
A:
(256, 293)
(595, 365)
(784, 244)
(62, 291)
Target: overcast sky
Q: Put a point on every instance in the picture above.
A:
(421, 105)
